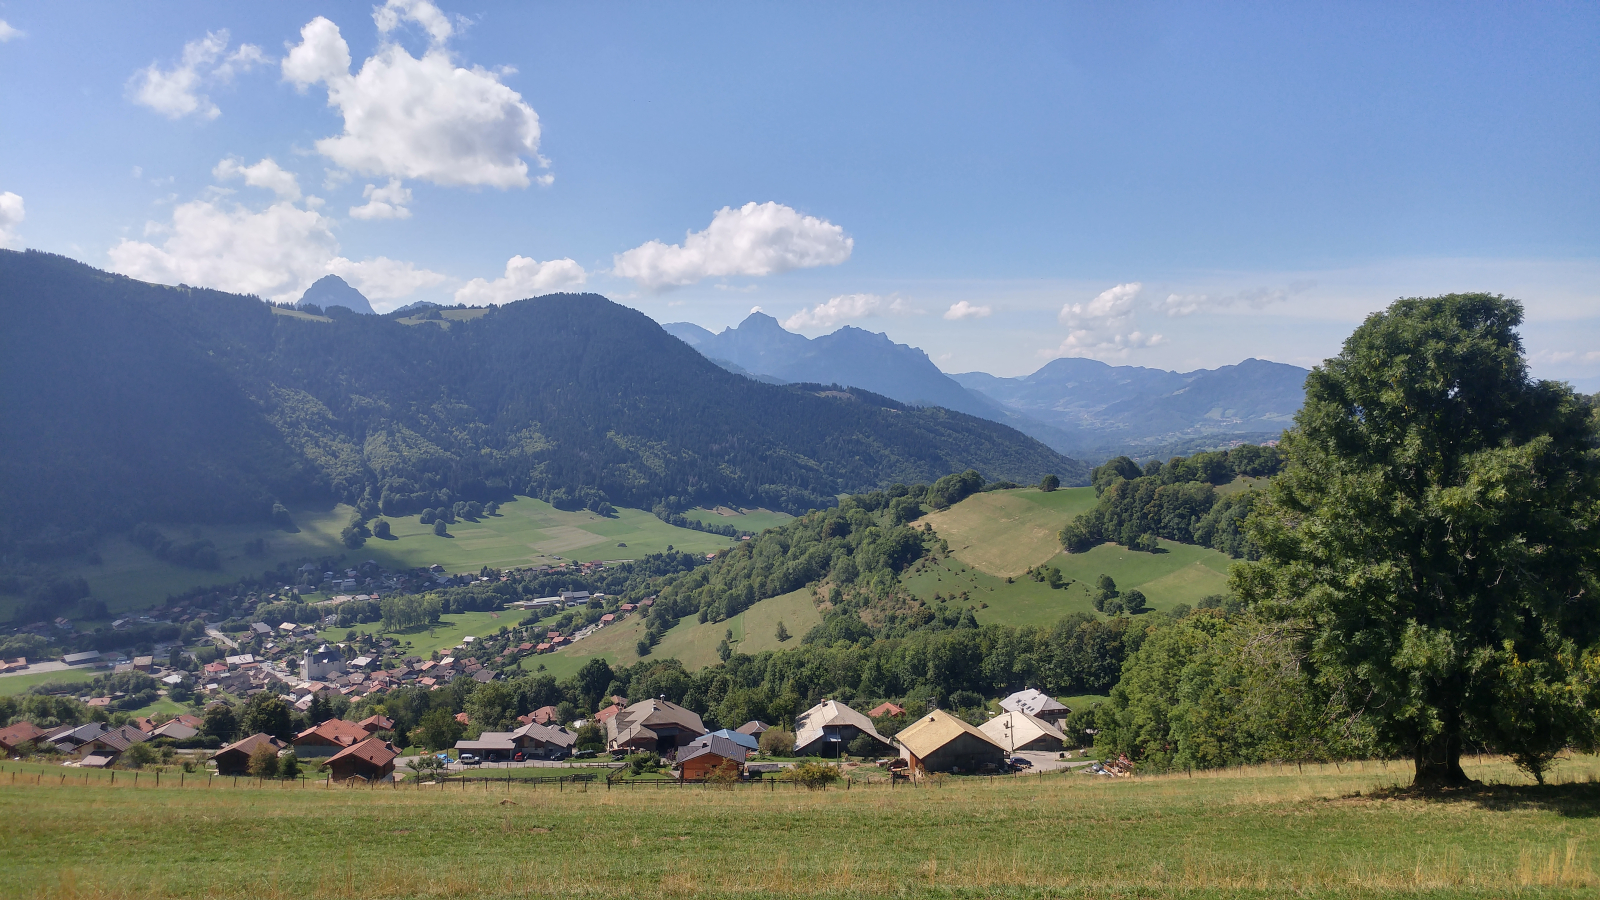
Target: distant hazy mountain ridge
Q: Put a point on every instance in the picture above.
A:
(1081, 407)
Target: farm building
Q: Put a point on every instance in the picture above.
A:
(328, 738)
(371, 760)
(1037, 704)
(1019, 731)
(940, 742)
(234, 759)
(708, 754)
(654, 725)
(533, 741)
(828, 728)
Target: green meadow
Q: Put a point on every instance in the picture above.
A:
(1266, 832)
(525, 532)
(443, 636)
(692, 643)
(1001, 534)
(19, 684)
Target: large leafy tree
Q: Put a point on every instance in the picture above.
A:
(1436, 530)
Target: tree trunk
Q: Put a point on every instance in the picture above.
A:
(1439, 762)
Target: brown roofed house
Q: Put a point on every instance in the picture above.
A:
(656, 725)
(376, 723)
(234, 759)
(21, 733)
(328, 738)
(887, 709)
(940, 742)
(370, 760)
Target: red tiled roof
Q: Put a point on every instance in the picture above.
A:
(20, 733)
(335, 731)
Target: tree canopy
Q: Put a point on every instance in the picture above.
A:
(1435, 532)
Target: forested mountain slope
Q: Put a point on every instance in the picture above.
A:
(126, 401)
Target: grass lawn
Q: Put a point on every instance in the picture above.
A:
(442, 637)
(525, 532)
(691, 642)
(1269, 832)
(1182, 574)
(19, 684)
(1008, 532)
(753, 520)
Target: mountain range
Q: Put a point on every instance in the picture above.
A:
(128, 401)
(1082, 407)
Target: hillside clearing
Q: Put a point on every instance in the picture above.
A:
(1269, 832)
(1182, 573)
(752, 520)
(1005, 533)
(690, 642)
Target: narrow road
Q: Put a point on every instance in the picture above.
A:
(221, 639)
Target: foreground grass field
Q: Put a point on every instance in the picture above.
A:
(526, 532)
(1269, 832)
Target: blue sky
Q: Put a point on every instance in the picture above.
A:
(1165, 185)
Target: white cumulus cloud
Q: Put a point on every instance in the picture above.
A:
(177, 91)
(264, 174)
(275, 252)
(755, 239)
(1109, 307)
(965, 310)
(382, 278)
(524, 278)
(424, 118)
(11, 216)
(387, 202)
(7, 32)
(1103, 327)
(843, 308)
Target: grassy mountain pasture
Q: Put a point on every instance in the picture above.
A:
(692, 643)
(1268, 832)
(752, 520)
(1181, 574)
(1004, 533)
(525, 532)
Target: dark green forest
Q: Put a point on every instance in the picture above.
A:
(128, 402)
(1176, 500)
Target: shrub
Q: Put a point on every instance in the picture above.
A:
(812, 775)
(264, 761)
(289, 766)
(777, 742)
(863, 745)
(138, 756)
